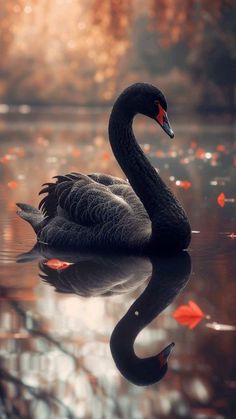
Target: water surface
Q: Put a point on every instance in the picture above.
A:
(55, 354)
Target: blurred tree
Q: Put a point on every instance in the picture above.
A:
(186, 19)
(152, 55)
(102, 46)
(214, 60)
(114, 16)
(9, 16)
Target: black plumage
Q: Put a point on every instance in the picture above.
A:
(99, 211)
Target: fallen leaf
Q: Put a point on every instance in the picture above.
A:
(7, 158)
(12, 184)
(160, 153)
(58, 264)
(106, 156)
(221, 199)
(42, 141)
(185, 184)
(76, 152)
(200, 153)
(18, 151)
(221, 148)
(189, 315)
(193, 144)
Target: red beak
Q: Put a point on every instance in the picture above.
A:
(163, 121)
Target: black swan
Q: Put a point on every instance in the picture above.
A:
(99, 211)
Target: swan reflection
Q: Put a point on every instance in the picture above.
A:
(93, 274)
(169, 276)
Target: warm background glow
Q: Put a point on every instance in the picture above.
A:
(84, 52)
(62, 63)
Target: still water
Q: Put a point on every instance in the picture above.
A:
(56, 324)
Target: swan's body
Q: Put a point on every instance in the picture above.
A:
(103, 212)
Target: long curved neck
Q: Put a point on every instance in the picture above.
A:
(142, 176)
(170, 225)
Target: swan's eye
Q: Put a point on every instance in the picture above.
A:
(159, 104)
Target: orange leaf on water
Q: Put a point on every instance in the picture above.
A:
(18, 151)
(189, 315)
(160, 153)
(5, 159)
(221, 147)
(200, 153)
(58, 264)
(106, 156)
(193, 144)
(76, 152)
(185, 184)
(12, 184)
(221, 199)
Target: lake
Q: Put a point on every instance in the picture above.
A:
(55, 352)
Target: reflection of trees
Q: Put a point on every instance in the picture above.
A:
(22, 410)
(19, 406)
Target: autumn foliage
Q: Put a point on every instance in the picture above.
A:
(189, 315)
(58, 264)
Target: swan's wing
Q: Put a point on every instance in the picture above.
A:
(122, 188)
(107, 180)
(127, 193)
(82, 200)
(49, 203)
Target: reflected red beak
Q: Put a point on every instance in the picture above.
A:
(164, 355)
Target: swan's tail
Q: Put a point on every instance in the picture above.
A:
(30, 214)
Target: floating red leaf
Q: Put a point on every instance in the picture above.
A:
(106, 156)
(76, 152)
(185, 184)
(193, 144)
(221, 148)
(189, 315)
(12, 184)
(221, 199)
(58, 264)
(18, 151)
(200, 153)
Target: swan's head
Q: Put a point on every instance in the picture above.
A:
(139, 371)
(148, 100)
